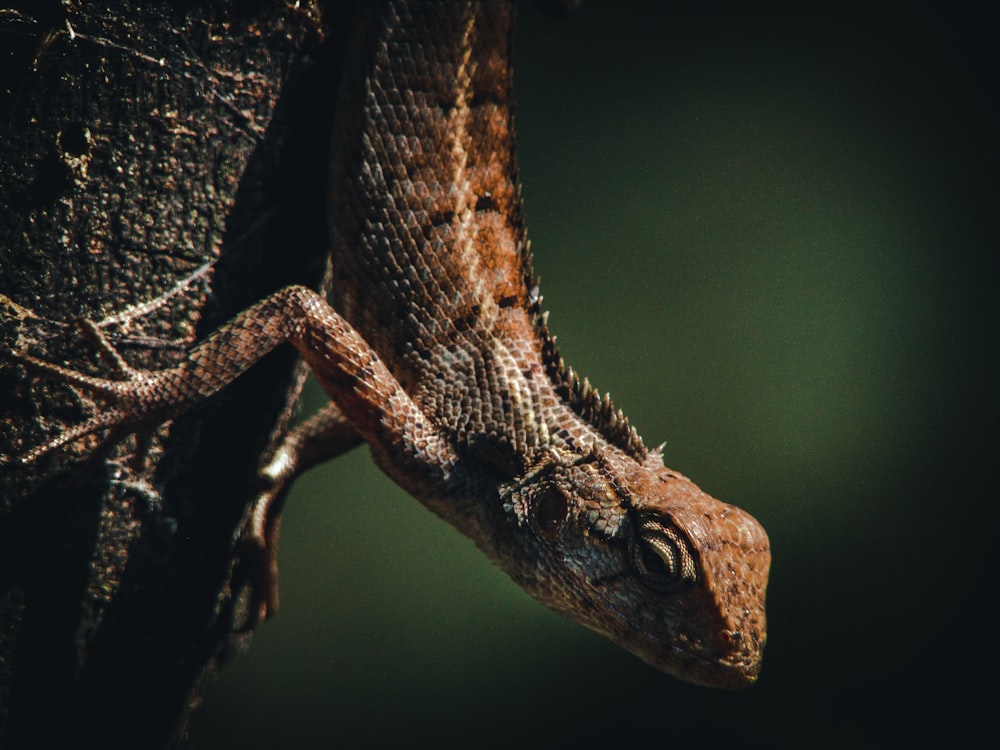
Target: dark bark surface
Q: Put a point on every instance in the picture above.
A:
(161, 167)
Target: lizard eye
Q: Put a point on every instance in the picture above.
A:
(551, 509)
(661, 556)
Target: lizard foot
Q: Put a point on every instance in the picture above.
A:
(129, 400)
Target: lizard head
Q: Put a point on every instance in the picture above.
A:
(640, 554)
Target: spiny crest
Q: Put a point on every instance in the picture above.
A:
(586, 401)
(581, 396)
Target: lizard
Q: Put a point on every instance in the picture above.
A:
(435, 351)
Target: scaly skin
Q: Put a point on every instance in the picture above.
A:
(437, 354)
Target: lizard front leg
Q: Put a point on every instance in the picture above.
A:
(368, 404)
(366, 393)
(325, 435)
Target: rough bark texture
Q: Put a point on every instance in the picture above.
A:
(161, 167)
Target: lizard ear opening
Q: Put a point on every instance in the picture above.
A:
(661, 556)
(551, 509)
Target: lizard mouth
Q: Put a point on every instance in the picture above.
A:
(686, 659)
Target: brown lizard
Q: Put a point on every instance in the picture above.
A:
(436, 353)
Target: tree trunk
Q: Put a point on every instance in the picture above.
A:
(162, 166)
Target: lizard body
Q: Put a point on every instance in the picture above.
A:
(435, 351)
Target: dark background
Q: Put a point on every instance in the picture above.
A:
(768, 232)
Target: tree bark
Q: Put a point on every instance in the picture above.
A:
(162, 166)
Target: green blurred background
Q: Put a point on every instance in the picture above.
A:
(769, 233)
